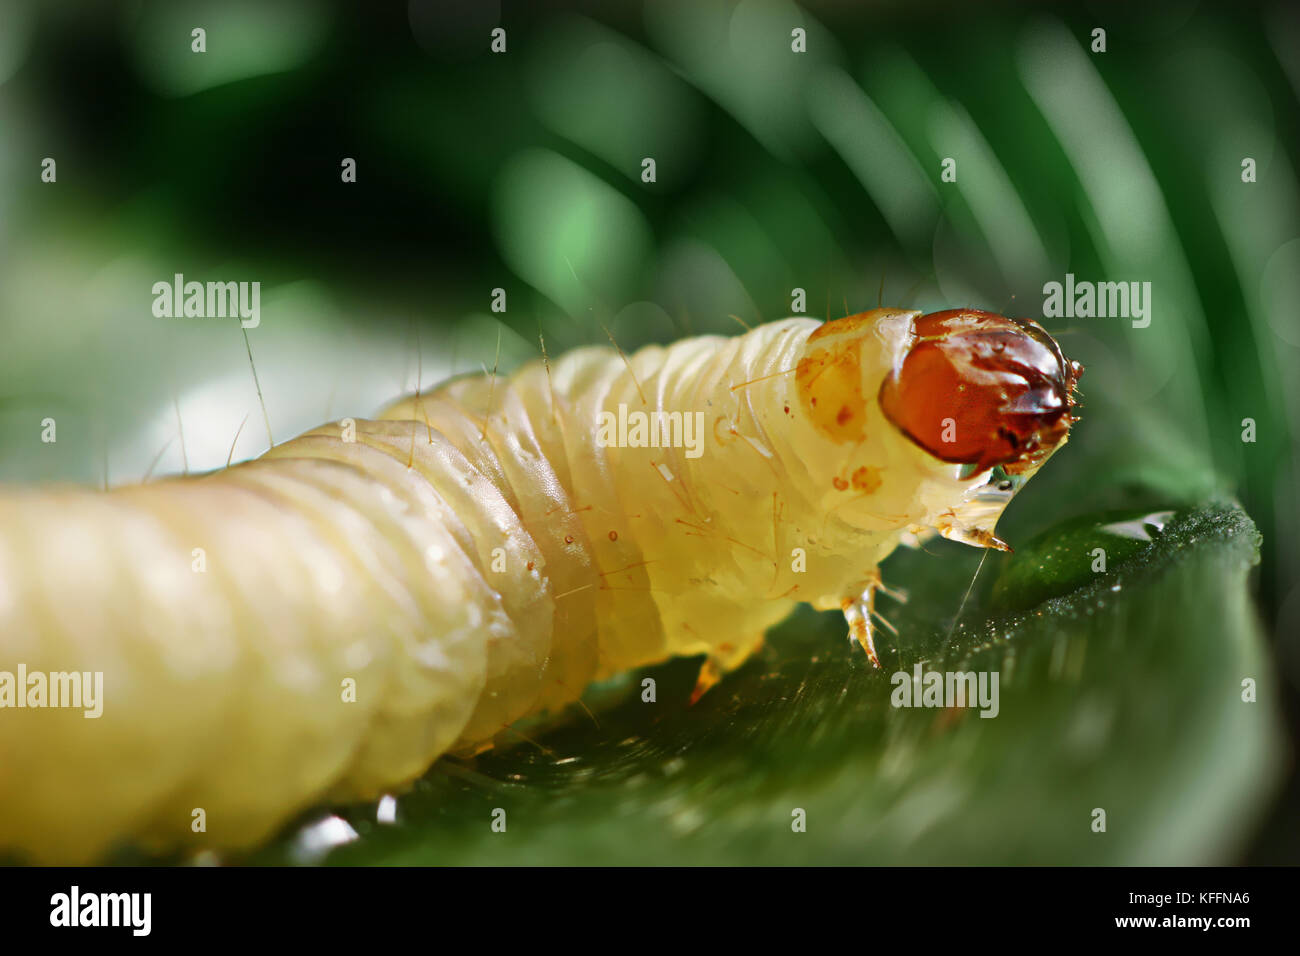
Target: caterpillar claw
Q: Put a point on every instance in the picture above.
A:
(857, 613)
(725, 657)
(710, 674)
(860, 613)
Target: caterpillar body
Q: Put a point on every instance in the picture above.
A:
(322, 623)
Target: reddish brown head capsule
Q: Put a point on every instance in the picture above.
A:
(980, 389)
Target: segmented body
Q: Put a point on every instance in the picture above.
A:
(474, 555)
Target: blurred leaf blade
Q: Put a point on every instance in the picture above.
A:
(1126, 698)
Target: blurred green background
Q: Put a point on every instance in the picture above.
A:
(774, 171)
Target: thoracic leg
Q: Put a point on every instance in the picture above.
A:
(858, 613)
(727, 658)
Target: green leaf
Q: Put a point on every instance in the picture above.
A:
(1120, 690)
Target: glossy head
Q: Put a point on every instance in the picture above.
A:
(983, 390)
(987, 399)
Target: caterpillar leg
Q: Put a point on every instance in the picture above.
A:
(859, 613)
(710, 674)
(727, 658)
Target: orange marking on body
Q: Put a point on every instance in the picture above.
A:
(829, 383)
(866, 479)
(830, 375)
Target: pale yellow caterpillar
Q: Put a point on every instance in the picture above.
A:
(322, 623)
